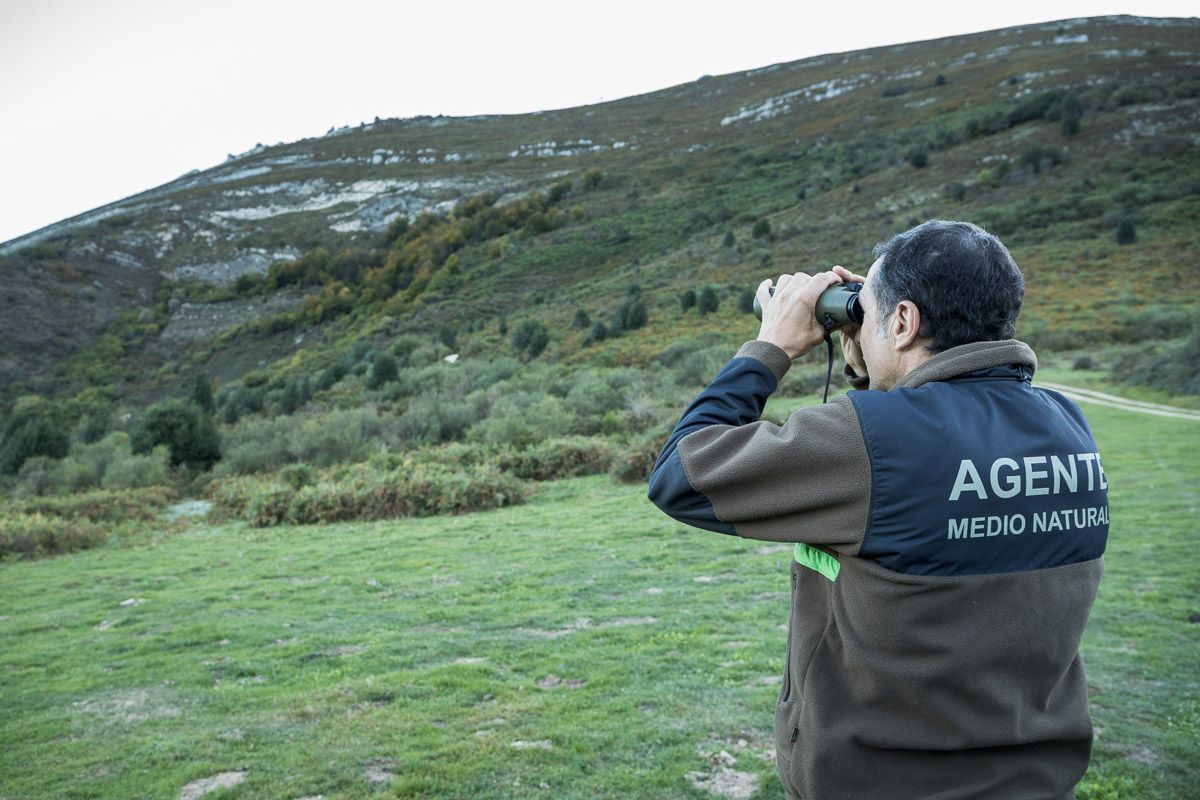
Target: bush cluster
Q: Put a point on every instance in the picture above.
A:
(53, 526)
(106, 464)
(262, 445)
(557, 458)
(1172, 367)
(26, 536)
(365, 491)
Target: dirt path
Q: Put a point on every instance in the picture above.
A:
(1123, 403)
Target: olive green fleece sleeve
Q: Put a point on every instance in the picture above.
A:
(808, 480)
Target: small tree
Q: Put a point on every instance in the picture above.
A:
(36, 436)
(558, 190)
(531, 336)
(289, 399)
(1126, 232)
(709, 302)
(598, 333)
(631, 314)
(687, 300)
(541, 338)
(187, 432)
(383, 371)
(730, 240)
(202, 392)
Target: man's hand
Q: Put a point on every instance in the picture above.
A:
(789, 319)
(853, 354)
(851, 350)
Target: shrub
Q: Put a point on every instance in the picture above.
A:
(582, 320)
(111, 507)
(558, 190)
(202, 392)
(522, 418)
(39, 435)
(698, 367)
(761, 229)
(1126, 232)
(687, 300)
(531, 336)
(298, 476)
(957, 191)
(590, 398)
(1172, 368)
(129, 471)
(383, 371)
(635, 462)
(1037, 157)
(630, 315)
(592, 178)
(558, 458)
(940, 80)
(434, 417)
(918, 158)
(730, 240)
(1085, 362)
(708, 301)
(598, 333)
(366, 491)
(26, 536)
(187, 431)
(263, 445)
(746, 301)
(94, 427)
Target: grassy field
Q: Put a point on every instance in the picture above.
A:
(582, 645)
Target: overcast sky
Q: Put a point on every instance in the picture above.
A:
(100, 99)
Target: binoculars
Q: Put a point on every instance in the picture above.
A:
(838, 305)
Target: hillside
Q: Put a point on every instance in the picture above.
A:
(1051, 135)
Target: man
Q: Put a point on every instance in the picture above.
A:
(949, 522)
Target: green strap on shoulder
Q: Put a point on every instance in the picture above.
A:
(817, 560)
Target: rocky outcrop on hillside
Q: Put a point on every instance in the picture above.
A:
(63, 283)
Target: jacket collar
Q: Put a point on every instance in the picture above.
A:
(974, 357)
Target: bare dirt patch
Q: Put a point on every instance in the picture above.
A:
(552, 681)
(201, 787)
(583, 623)
(130, 705)
(725, 782)
(540, 744)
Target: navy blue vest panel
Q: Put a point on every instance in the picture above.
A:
(981, 474)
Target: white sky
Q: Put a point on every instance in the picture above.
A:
(100, 99)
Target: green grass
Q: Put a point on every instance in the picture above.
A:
(313, 657)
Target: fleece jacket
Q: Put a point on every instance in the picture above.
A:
(949, 537)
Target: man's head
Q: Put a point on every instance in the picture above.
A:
(936, 286)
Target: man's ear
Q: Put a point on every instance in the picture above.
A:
(906, 325)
